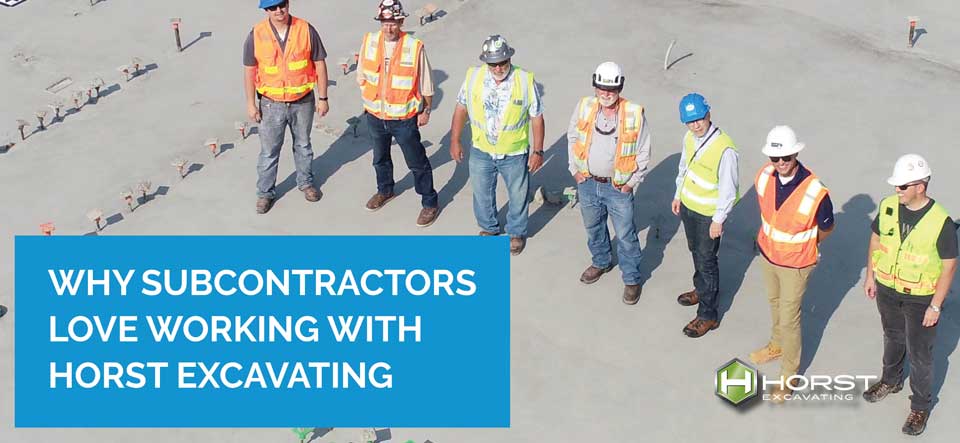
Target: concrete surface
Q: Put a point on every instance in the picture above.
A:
(585, 367)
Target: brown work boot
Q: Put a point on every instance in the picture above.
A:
(517, 244)
(779, 394)
(379, 200)
(593, 273)
(700, 326)
(427, 217)
(631, 294)
(766, 354)
(264, 204)
(489, 234)
(311, 193)
(689, 298)
(916, 422)
(879, 390)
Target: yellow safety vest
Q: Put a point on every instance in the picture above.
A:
(700, 189)
(515, 126)
(912, 266)
(630, 123)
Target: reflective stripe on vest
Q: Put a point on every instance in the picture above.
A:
(912, 266)
(287, 75)
(789, 236)
(398, 98)
(700, 190)
(514, 133)
(629, 126)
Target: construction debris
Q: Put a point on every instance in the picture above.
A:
(428, 13)
(181, 165)
(175, 22)
(41, 114)
(143, 188)
(95, 215)
(213, 144)
(127, 195)
(56, 106)
(242, 127)
(47, 228)
(21, 124)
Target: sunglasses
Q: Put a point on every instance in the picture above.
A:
(282, 5)
(907, 186)
(785, 159)
(499, 65)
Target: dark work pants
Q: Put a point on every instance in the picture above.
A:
(407, 134)
(904, 336)
(706, 276)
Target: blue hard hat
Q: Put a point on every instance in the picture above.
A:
(269, 3)
(693, 107)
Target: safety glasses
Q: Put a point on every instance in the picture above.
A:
(281, 5)
(785, 159)
(499, 65)
(907, 186)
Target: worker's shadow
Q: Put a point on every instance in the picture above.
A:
(737, 248)
(652, 213)
(842, 259)
(348, 147)
(948, 336)
(553, 175)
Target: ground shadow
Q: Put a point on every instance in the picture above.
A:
(345, 149)
(196, 167)
(114, 219)
(554, 175)
(202, 36)
(438, 76)
(161, 190)
(318, 433)
(948, 336)
(143, 71)
(842, 258)
(383, 435)
(104, 93)
(916, 35)
(224, 148)
(652, 212)
(737, 248)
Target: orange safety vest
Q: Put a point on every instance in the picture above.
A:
(289, 75)
(628, 143)
(396, 97)
(789, 235)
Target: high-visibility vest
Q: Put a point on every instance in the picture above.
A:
(396, 97)
(514, 131)
(912, 266)
(700, 188)
(630, 123)
(284, 75)
(789, 236)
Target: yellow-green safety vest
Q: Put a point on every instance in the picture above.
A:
(912, 266)
(515, 125)
(700, 189)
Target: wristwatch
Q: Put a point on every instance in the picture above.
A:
(935, 308)
(540, 152)
(323, 99)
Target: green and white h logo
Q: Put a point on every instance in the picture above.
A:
(736, 382)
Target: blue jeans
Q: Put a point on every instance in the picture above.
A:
(483, 179)
(596, 201)
(407, 134)
(706, 276)
(274, 119)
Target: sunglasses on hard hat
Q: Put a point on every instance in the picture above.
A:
(785, 158)
(281, 5)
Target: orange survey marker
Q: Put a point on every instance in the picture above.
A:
(47, 228)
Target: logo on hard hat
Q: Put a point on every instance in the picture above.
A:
(690, 107)
(910, 166)
(776, 145)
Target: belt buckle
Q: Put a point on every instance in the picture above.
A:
(601, 179)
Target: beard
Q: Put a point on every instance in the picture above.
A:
(501, 77)
(608, 102)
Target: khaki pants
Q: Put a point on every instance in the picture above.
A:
(785, 288)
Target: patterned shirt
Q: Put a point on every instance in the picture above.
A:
(495, 100)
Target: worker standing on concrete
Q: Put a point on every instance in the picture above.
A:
(284, 61)
(796, 214)
(707, 188)
(910, 267)
(397, 89)
(502, 103)
(608, 146)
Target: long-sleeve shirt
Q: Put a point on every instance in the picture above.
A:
(729, 176)
(603, 148)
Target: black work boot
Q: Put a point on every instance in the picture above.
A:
(879, 390)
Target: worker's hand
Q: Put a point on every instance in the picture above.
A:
(626, 189)
(931, 318)
(675, 207)
(579, 178)
(322, 108)
(456, 151)
(253, 112)
(423, 118)
(716, 230)
(535, 162)
(870, 288)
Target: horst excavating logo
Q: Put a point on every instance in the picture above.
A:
(736, 382)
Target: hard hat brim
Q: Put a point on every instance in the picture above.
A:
(769, 151)
(489, 58)
(692, 118)
(269, 3)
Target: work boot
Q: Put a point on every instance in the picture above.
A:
(593, 273)
(698, 327)
(779, 394)
(688, 298)
(264, 204)
(916, 422)
(379, 200)
(766, 354)
(489, 234)
(517, 244)
(631, 293)
(311, 194)
(427, 217)
(879, 390)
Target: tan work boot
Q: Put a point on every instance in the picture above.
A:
(779, 395)
(766, 354)
(427, 217)
(379, 200)
(311, 193)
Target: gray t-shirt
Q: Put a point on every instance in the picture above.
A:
(317, 50)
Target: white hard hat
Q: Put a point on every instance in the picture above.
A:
(782, 141)
(608, 76)
(909, 168)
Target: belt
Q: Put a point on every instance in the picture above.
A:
(600, 179)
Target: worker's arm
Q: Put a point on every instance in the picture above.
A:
(643, 158)
(456, 130)
(870, 281)
(321, 89)
(943, 287)
(250, 89)
(425, 82)
(825, 219)
(681, 172)
(536, 160)
(572, 136)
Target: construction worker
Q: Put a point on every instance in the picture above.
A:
(910, 266)
(796, 214)
(502, 103)
(397, 89)
(609, 149)
(707, 188)
(284, 62)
